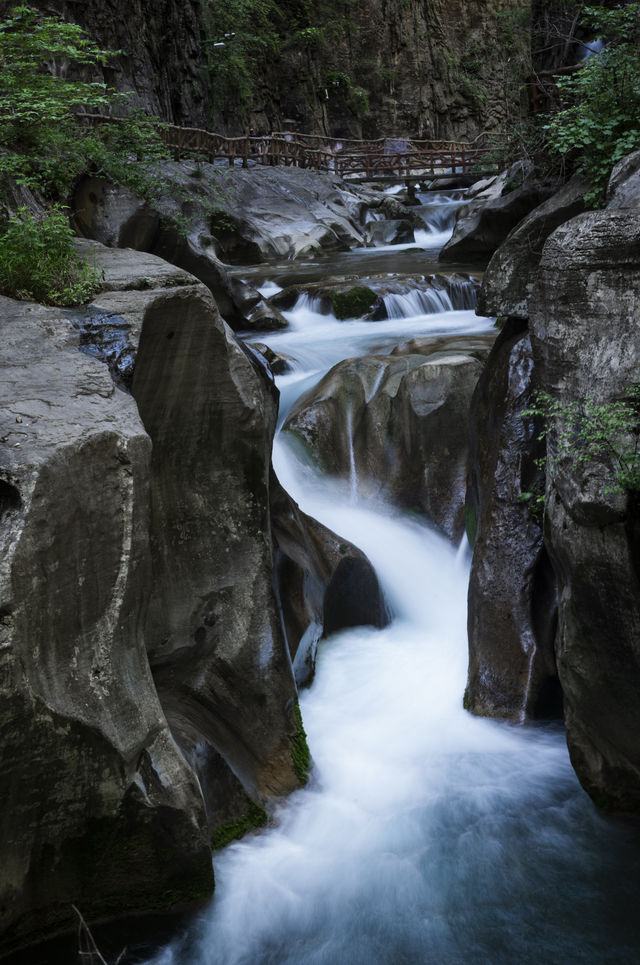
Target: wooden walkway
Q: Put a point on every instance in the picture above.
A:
(388, 157)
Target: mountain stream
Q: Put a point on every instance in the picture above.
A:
(425, 835)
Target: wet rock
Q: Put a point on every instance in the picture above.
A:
(482, 226)
(584, 325)
(237, 216)
(347, 601)
(416, 294)
(390, 233)
(147, 690)
(435, 346)
(510, 275)
(511, 619)
(277, 361)
(395, 427)
(325, 583)
(95, 794)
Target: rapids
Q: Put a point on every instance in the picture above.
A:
(425, 835)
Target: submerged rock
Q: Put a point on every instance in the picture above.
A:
(511, 618)
(395, 426)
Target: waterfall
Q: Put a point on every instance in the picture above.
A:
(415, 303)
(425, 835)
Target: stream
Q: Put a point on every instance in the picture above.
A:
(425, 835)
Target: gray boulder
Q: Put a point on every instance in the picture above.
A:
(99, 806)
(148, 694)
(395, 426)
(585, 325)
(324, 582)
(511, 272)
(623, 190)
(482, 225)
(390, 232)
(512, 611)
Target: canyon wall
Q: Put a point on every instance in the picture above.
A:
(435, 69)
(573, 279)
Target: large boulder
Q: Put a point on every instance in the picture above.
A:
(511, 272)
(395, 426)
(146, 694)
(98, 805)
(511, 617)
(115, 216)
(585, 325)
(325, 583)
(483, 224)
(623, 190)
(212, 626)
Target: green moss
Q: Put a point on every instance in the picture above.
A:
(467, 701)
(256, 817)
(300, 749)
(471, 523)
(353, 303)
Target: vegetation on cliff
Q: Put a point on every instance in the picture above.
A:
(46, 144)
(600, 120)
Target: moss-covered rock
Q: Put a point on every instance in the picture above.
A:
(353, 303)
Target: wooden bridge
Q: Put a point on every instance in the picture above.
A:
(396, 158)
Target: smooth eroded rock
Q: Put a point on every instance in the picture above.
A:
(511, 272)
(511, 618)
(98, 805)
(395, 426)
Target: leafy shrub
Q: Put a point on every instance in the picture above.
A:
(601, 122)
(38, 261)
(43, 142)
(590, 431)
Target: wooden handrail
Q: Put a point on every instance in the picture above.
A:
(381, 157)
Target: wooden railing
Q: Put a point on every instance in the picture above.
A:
(384, 157)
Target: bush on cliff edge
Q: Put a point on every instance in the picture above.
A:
(38, 262)
(601, 121)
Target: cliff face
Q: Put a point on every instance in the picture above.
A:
(577, 281)
(441, 68)
(160, 57)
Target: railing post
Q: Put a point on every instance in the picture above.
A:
(245, 159)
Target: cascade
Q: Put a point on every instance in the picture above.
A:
(425, 834)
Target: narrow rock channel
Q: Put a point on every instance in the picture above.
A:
(425, 834)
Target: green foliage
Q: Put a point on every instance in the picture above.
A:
(248, 35)
(601, 122)
(355, 96)
(256, 817)
(38, 261)
(43, 143)
(589, 432)
(300, 750)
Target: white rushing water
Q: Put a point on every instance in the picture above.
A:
(425, 835)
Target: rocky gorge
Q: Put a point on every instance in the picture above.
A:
(319, 513)
(163, 594)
